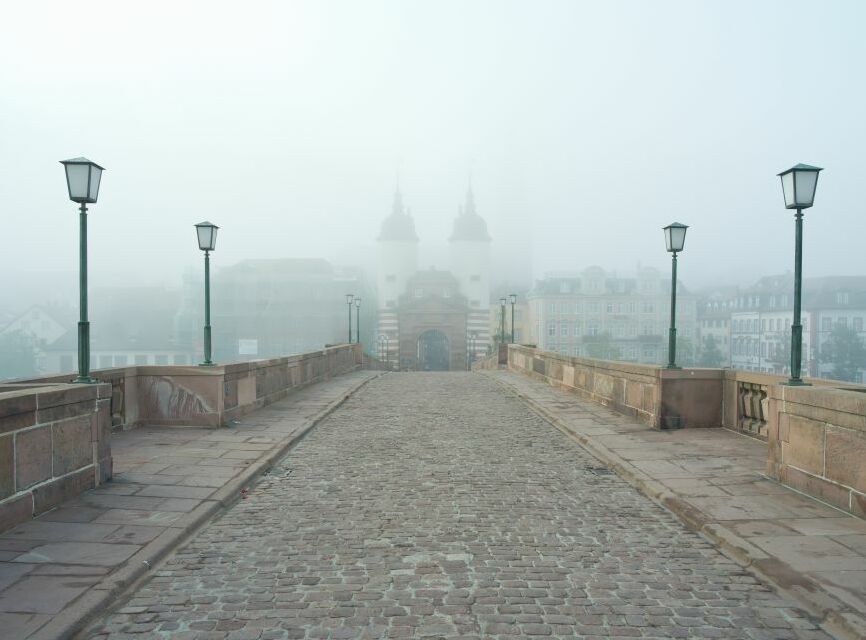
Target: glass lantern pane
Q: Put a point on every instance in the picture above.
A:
(678, 238)
(95, 178)
(788, 189)
(668, 238)
(804, 186)
(206, 237)
(76, 177)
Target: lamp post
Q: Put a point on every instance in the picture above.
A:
(513, 299)
(358, 320)
(798, 187)
(502, 302)
(207, 233)
(349, 298)
(82, 180)
(675, 238)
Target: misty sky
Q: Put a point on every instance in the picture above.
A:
(586, 127)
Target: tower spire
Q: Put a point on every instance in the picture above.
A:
(397, 208)
(469, 207)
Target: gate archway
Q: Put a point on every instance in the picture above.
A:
(433, 351)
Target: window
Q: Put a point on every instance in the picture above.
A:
(610, 307)
(563, 329)
(419, 293)
(577, 328)
(592, 307)
(179, 359)
(161, 359)
(564, 287)
(390, 304)
(647, 307)
(446, 293)
(119, 361)
(826, 324)
(842, 297)
(842, 322)
(592, 329)
(858, 324)
(551, 307)
(141, 359)
(551, 329)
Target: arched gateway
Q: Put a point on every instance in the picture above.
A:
(433, 351)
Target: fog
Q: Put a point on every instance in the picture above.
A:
(584, 128)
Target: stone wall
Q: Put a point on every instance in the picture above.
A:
(54, 443)
(661, 398)
(210, 396)
(816, 439)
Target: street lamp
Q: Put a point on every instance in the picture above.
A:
(207, 233)
(349, 298)
(675, 238)
(502, 302)
(798, 187)
(513, 299)
(358, 319)
(82, 180)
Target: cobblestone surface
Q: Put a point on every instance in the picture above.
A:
(437, 506)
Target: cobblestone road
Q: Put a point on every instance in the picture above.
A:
(436, 505)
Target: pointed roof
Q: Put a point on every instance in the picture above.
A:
(468, 225)
(399, 226)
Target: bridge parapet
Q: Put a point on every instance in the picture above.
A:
(816, 435)
(55, 436)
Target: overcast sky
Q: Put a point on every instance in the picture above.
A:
(586, 127)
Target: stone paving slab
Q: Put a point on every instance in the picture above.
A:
(439, 505)
(714, 480)
(68, 564)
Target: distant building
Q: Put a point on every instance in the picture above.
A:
(426, 318)
(602, 315)
(272, 308)
(128, 326)
(714, 323)
(762, 315)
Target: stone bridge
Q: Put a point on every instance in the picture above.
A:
(536, 497)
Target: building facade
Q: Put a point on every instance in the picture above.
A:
(598, 314)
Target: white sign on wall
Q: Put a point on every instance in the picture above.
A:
(248, 347)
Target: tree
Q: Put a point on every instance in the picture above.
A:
(711, 356)
(686, 352)
(17, 355)
(845, 351)
(780, 353)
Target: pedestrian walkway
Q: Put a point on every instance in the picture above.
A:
(70, 563)
(438, 505)
(713, 480)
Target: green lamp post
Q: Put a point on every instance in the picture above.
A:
(82, 180)
(512, 298)
(349, 298)
(675, 239)
(358, 320)
(207, 233)
(798, 186)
